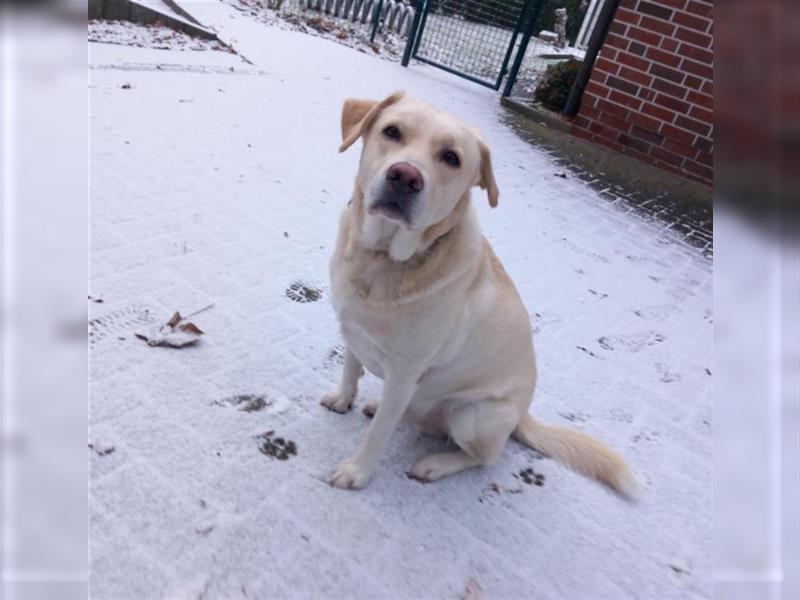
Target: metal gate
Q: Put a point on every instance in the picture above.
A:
(474, 39)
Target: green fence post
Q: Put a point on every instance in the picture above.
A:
(523, 47)
(376, 20)
(419, 7)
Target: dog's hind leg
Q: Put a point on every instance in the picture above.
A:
(340, 400)
(480, 429)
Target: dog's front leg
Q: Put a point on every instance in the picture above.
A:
(356, 471)
(342, 398)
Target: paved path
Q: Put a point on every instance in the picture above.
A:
(224, 187)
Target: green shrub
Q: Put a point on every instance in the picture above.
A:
(553, 90)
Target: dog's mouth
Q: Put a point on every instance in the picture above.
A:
(393, 209)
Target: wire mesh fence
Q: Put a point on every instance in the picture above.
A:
(472, 37)
(539, 55)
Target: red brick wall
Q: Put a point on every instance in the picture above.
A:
(650, 93)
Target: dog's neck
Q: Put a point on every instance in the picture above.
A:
(399, 243)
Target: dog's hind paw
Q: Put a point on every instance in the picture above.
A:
(337, 402)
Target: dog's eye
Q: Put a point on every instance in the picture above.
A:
(392, 132)
(451, 158)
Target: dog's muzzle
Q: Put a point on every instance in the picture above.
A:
(399, 192)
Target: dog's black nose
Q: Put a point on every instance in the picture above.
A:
(404, 178)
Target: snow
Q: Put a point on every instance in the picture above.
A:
(147, 36)
(224, 187)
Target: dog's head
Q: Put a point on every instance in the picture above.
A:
(417, 162)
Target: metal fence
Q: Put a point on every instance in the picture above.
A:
(471, 38)
(388, 15)
(496, 43)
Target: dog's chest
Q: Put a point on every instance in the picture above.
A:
(366, 336)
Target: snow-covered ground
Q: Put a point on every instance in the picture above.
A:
(223, 185)
(147, 36)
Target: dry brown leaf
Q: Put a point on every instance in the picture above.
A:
(175, 333)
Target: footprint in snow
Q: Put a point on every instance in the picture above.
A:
(276, 447)
(245, 402)
(631, 343)
(302, 293)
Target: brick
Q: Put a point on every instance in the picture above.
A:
(704, 144)
(656, 10)
(708, 87)
(613, 109)
(704, 172)
(666, 73)
(670, 168)
(706, 158)
(603, 131)
(692, 125)
(666, 156)
(683, 150)
(645, 121)
(616, 41)
(669, 44)
(678, 135)
(608, 52)
(693, 37)
(701, 9)
(701, 114)
(647, 135)
(691, 21)
(658, 112)
(636, 76)
(625, 100)
(596, 88)
(646, 94)
(664, 58)
(644, 36)
(637, 48)
(672, 103)
(618, 28)
(615, 122)
(658, 25)
(621, 84)
(697, 68)
(678, 4)
(700, 99)
(639, 145)
(642, 156)
(606, 66)
(588, 101)
(669, 88)
(633, 61)
(693, 82)
(627, 16)
(699, 54)
(581, 132)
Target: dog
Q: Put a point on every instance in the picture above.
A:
(425, 304)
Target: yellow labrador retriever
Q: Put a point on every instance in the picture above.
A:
(425, 304)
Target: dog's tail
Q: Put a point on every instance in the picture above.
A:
(580, 452)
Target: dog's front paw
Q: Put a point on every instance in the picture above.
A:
(337, 401)
(351, 474)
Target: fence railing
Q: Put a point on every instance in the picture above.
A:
(391, 15)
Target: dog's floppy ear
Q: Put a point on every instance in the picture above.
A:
(486, 179)
(358, 115)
